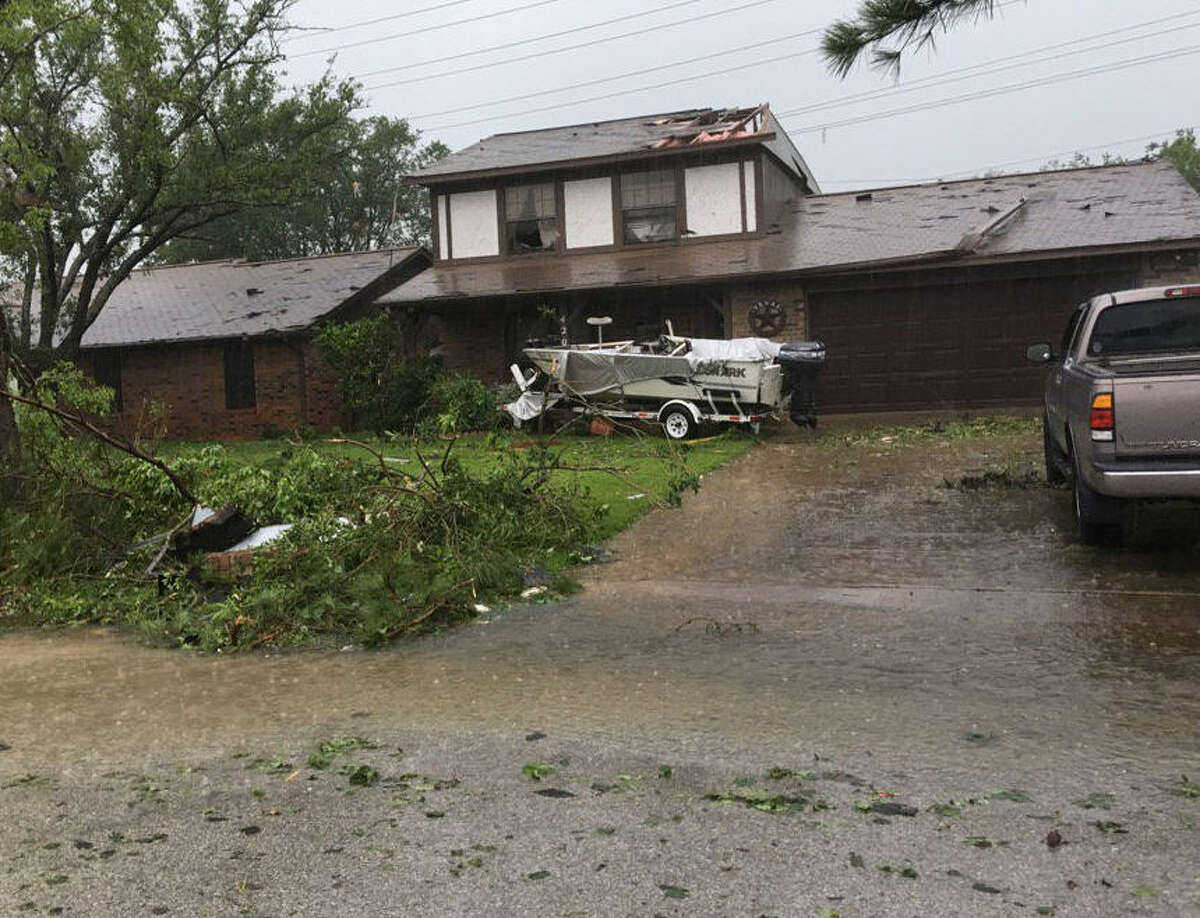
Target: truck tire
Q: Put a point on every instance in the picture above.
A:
(1097, 516)
(678, 423)
(1056, 459)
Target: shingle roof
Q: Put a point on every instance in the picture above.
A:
(227, 299)
(644, 135)
(1109, 206)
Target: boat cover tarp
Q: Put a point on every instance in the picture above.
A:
(530, 404)
(592, 372)
(706, 349)
(602, 370)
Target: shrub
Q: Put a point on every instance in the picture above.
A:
(458, 404)
(379, 383)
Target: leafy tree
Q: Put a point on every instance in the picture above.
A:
(1181, 152)
(358, 204)
(125, 124)
(889, 27)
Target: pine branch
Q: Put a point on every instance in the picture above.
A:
(905, 24)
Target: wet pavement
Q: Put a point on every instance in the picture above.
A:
(967, 713)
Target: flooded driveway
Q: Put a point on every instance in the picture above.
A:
(853, 676)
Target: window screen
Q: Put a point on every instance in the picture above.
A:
(531, 218)
(648, 211)
(106, 371)
(1152, 327)
(239, 375)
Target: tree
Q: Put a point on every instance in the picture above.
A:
(1181, 152)
(125, 124)
(358, 204)
(890, 27)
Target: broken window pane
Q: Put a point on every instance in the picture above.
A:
(648, 211)
(531, 218)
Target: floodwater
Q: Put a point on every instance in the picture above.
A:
(813, 596)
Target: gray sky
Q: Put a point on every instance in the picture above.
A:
(1109, 109)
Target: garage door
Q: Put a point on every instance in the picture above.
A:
(943, 345)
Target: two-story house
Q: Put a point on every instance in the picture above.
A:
(925, 295)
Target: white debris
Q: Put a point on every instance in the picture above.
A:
(532, 592)
(262, 536)
(480, 608)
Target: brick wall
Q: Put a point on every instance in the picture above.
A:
(789, 295)
(187, 382)
(1161, 268)
(472, 339)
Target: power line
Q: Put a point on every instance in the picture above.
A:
(1045, 158)
(432, 28)
(940, 79)
(1119, 65)
(622, 76)
(537, 38)
(923, 83)
(626, 92)
(1000, 90)
(310, 32)
(544, 54)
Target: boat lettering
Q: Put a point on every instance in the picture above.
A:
(719, 368)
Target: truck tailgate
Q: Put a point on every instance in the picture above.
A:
(1157, 415)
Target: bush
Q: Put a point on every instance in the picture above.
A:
(379, 384)
(460, 404)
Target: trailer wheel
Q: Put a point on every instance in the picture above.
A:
(678, 423)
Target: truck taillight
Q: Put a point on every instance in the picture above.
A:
(1183, 291)
(1103, 419)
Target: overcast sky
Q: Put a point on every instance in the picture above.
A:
(756, 51)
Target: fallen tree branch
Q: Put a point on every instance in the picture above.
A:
(108, 439)
(424, 616)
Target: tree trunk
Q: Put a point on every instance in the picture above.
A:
(9, 444)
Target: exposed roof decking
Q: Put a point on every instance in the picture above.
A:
(230, 299)
(1107, 206)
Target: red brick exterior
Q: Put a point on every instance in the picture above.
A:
(183, 386)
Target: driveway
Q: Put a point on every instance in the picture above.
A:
(857, 674)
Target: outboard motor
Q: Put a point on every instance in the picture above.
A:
(801, 361)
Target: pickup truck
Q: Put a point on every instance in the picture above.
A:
(1122, 403)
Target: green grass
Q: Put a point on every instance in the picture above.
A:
(647, 465)
(965, 428)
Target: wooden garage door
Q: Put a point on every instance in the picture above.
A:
(933, 344)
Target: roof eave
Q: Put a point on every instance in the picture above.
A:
(447, 178)
(950, 257)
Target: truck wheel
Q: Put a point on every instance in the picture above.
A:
(1097, 516)
(1056, 461)
(678, 423)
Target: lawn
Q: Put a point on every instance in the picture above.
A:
(467, 523)
(647, 468)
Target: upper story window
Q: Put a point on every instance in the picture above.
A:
(648, 207)
(531, 218)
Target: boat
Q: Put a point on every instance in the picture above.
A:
(679, 381)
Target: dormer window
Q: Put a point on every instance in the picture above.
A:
(648, 208)
(531, 218)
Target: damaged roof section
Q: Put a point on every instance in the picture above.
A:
(625, 138)
(710, 126)
(1103, 208)
(234, 299)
